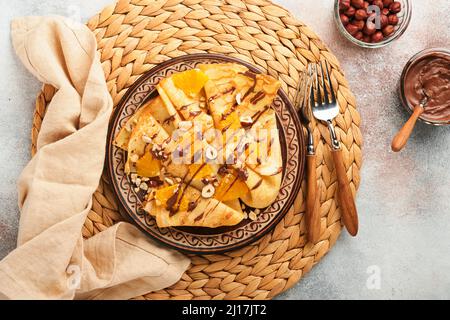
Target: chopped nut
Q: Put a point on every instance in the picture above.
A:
(143, 186)
(185, 125)
(257, 211)
(138, 181)
(146, 139)
(246, 121)
(238, 99)
(168, 180)
(145, 179)
(252, 215)
(136, 189)
(177, 179)
(216, 183)
(133, 177)
(208, 191)
(134, 158)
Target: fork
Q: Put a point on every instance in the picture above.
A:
(326, 110)
(301, 103)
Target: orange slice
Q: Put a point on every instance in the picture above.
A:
(200, 170)
(190, 81)
(148, 166)
(231, 122)
(163, 194)
(184, 204)
(230, 188)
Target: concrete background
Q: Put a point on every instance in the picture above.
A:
(403, 201)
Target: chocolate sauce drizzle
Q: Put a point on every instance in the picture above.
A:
(169, 119)
(257, 97)
(252, 88)
(174, 205)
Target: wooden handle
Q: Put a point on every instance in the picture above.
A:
(312, 200)
(403, 135)
(346, 201)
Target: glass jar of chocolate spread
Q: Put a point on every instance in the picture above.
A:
(426, 80)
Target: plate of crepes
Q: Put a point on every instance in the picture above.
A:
(205, 153)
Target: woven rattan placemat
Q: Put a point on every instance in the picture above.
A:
(135, 35)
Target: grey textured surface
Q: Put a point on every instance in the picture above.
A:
(403, 201)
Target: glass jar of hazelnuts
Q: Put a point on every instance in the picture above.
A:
(372, 23)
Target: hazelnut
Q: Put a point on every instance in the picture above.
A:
(377, 37)
(395, 7)
(366, 38)
(359, 24)
(366, 5)
(388, 30)
(369, 29)
(344, 19)
(387, 3)
(344, 5)
(378, 3)
(208, 191)
(350, 12)
(359, 4)
(210, 153)
(384, 21)
(360, 14)
(393, 19)
(352, 29)
(359, 36)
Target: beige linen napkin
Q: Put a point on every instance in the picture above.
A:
(52, 261)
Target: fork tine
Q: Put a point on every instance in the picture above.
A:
(317, 87)
(333, 97)
(312, 89)
(325, 91)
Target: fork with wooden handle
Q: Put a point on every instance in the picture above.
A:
(312, 214)
(326, 110)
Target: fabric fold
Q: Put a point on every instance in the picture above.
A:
(52, 260)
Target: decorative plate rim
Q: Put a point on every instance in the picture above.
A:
(301, 154)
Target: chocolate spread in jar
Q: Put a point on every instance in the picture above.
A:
(429, 78)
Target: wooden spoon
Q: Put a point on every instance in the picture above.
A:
(400, 140)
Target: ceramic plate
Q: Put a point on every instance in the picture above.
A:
(196, 239)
